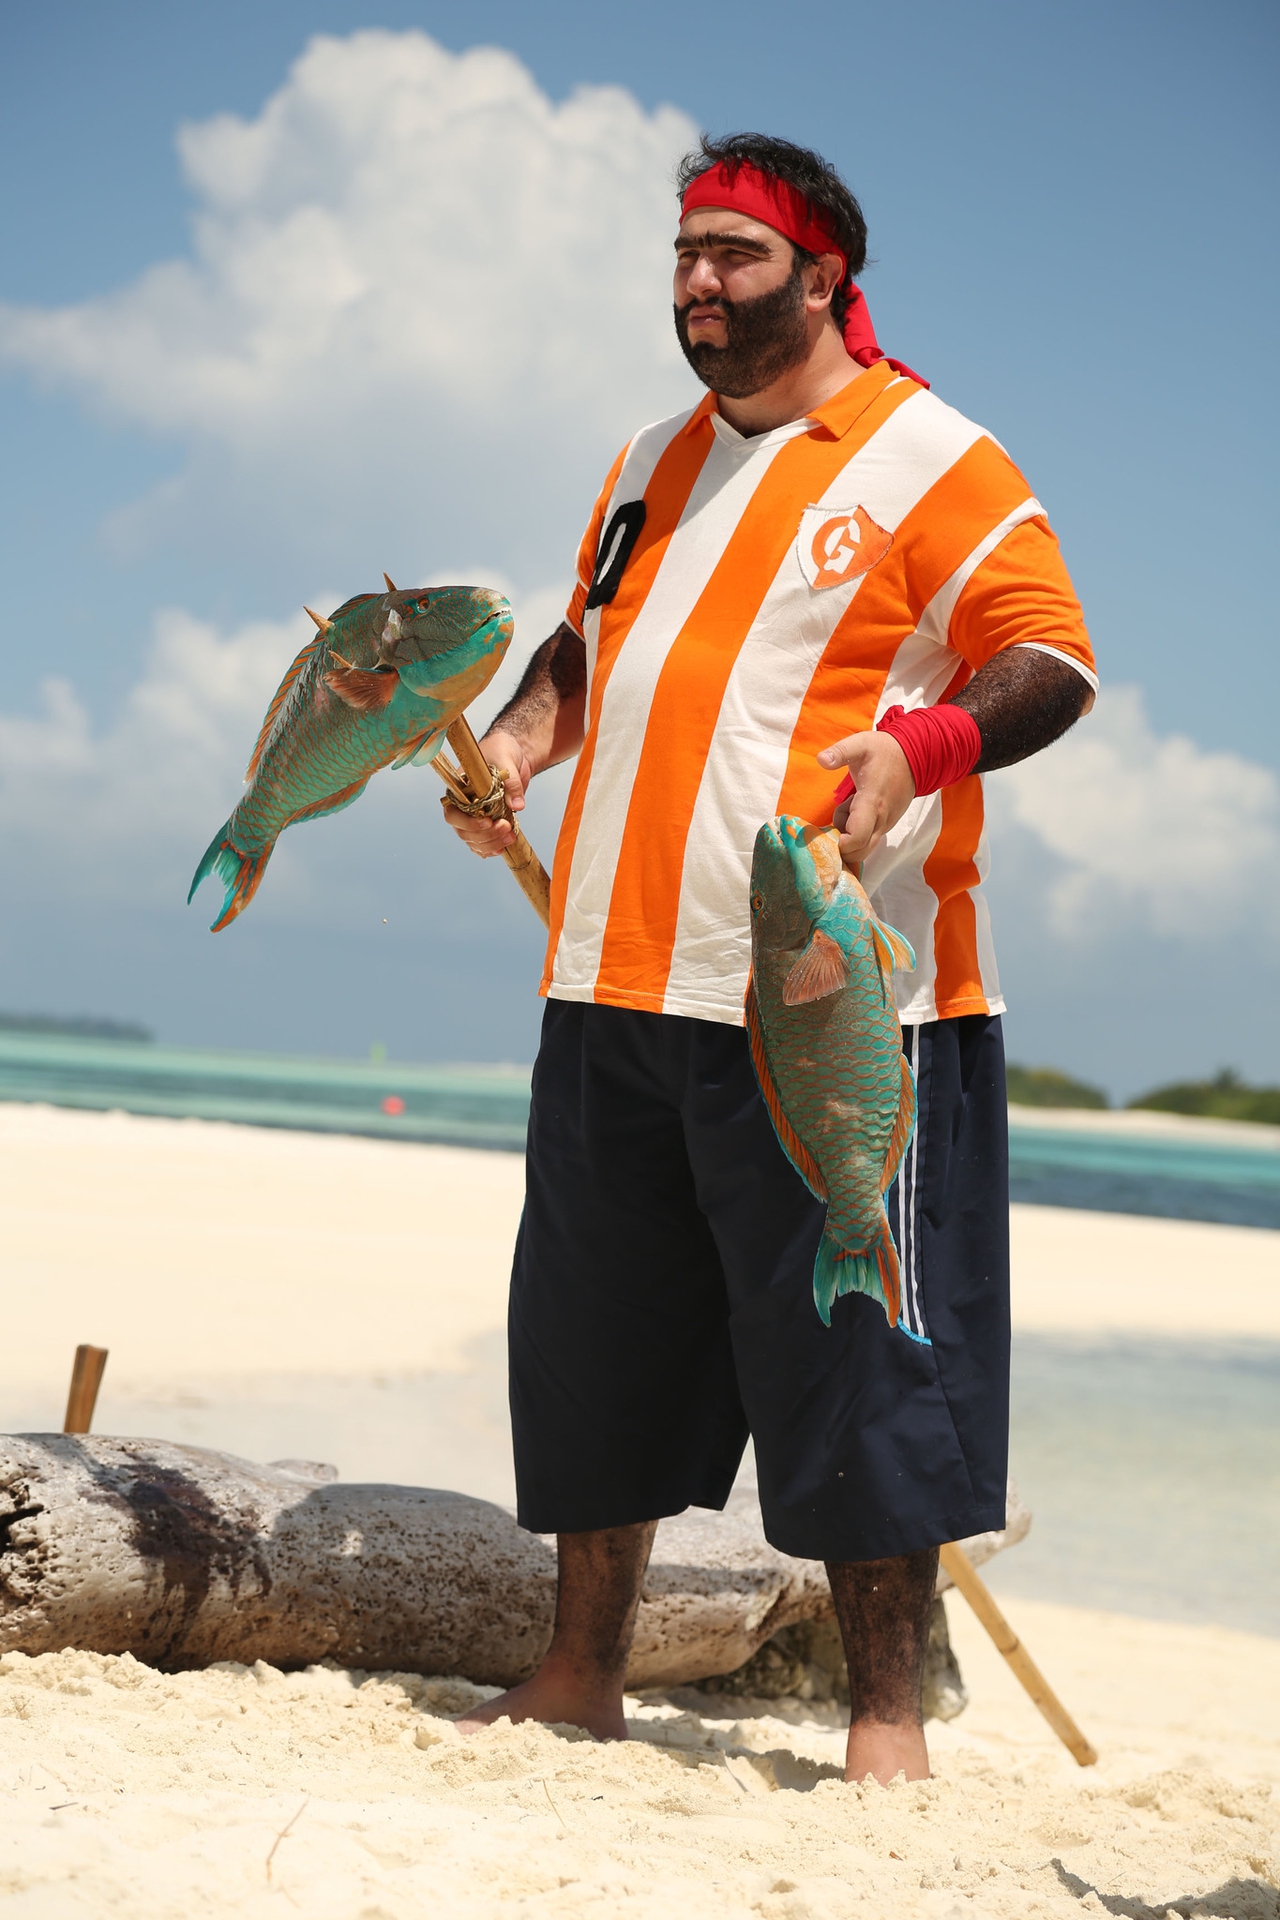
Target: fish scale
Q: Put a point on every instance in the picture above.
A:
(378, 686)
(826, 1044)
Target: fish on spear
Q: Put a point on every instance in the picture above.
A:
(384, 683)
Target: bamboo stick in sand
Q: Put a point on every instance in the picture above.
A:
(86, 1378)
(956, 1564)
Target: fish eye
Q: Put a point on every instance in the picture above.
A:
(757, 903)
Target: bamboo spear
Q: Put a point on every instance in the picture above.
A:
(956, 1564)
(477, 788)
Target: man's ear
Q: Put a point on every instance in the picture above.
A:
(826, 278)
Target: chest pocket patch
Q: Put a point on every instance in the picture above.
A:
(614, 551)
(836, 544)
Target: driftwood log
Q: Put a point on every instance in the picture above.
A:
(184, 1557)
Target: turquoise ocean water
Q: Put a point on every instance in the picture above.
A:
(1188, 1177)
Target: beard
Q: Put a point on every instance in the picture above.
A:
(765, 337)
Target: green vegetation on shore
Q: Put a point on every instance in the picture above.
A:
(1226, 1097)
(1046, 1087)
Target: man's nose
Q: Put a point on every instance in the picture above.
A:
(703, 278)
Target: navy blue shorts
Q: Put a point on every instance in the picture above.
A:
(662, 1298)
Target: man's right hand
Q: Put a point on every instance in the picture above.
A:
(490, 837)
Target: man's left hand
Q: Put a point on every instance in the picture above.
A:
(885, 790)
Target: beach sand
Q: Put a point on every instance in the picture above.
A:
(296, 1291)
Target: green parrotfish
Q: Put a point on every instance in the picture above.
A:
(378, 686)
(826, 1043)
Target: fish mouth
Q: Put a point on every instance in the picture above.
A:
(820, 844)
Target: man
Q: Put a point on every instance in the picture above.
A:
(766, 584)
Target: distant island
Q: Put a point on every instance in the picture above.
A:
(1225, 1097)
(1047, 1087)
(76, 1026)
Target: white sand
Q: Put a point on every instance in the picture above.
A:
(222, 1260)
(130, 1792)
(190, 1247)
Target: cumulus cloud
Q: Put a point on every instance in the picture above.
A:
(419, 290)
(1144, 832)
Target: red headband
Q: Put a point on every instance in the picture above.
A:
(748, 189)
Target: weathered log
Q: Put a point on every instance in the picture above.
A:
(184, 1557)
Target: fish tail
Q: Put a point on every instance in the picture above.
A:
(238, 872)
(874, 1272)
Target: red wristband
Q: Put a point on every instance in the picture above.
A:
(942, 745)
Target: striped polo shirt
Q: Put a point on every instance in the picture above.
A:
(776, 593)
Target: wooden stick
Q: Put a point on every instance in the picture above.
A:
(955, 1562)
(86, 1378)
(477, 784)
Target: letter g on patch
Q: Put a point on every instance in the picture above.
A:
(837, 545)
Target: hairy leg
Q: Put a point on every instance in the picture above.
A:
(883, 1609)
(597, 1598)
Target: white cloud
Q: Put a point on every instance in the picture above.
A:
(1143, 832)
(413, 273)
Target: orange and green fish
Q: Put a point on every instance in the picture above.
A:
(378, 686)
(826, 1043)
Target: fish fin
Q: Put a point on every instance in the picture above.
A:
(890, 1288)
(821, 969)
(875, 1272)
(420, 752)
(239, 873)
(281, 695)
(356, 600)
(794, 1148)
(332, 802)
(366, 689)
(428, 750)
(826, 1277)
(894, 952)
(903, 1127)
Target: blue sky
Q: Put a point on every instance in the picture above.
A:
(1072, 217)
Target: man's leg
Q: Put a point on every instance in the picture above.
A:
(883, 1608)
(597, 1596)
(872, 1442)
(624, 1400)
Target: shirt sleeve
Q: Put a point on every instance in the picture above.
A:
(590, 547)
(1021, 596)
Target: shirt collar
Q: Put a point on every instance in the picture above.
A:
(836, 417)
(841, 413)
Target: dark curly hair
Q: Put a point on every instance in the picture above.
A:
(802, 169)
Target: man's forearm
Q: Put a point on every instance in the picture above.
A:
(1023, 700)
(547, 711)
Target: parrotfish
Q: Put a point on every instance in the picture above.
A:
(379, 685)
(826, 1043)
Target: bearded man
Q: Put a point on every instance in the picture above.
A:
(820, 569)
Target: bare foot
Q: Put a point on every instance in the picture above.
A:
(880, 1748)
(555, 1699)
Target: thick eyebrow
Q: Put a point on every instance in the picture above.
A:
(738, 241)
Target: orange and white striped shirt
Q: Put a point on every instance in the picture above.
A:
(783, 591)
